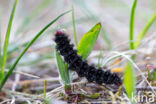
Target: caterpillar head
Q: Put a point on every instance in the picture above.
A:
(59, 32)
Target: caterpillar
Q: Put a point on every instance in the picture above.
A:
(83, 69)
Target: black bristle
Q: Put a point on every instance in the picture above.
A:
(82, 68)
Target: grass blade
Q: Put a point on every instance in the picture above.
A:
(132, 21)
(99, 58)
(144, 31)
(154, 75)
(129, 75)
(130, 80)
(27, 47)
(63, 70)
(74, 27)
(0, 42)
(88, 41)
(7, 39)
(45, 89)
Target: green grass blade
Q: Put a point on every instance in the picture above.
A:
(74, 27)
(132, 23)
(144, 31)
(63, 69)
(154, 75)
(27, 47)
(130, 80)
(33, 14)
(88, 41)
(129, 75)
(7, 39)
(16, 46)
(99, 59)
(0, 42)
(64, 72)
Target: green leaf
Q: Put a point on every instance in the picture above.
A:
(130, 80)
(7, 39)
(28, 46)
(63, 69)
(144, 31)
(74, 27)
(88, 41)
(132, 21)
(0, 42)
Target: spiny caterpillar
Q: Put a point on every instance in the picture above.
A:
(82, 68)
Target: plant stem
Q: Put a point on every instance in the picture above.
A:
(132, 21)
(7, 39)
(74, 27)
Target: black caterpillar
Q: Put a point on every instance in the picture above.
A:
(81, 67)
